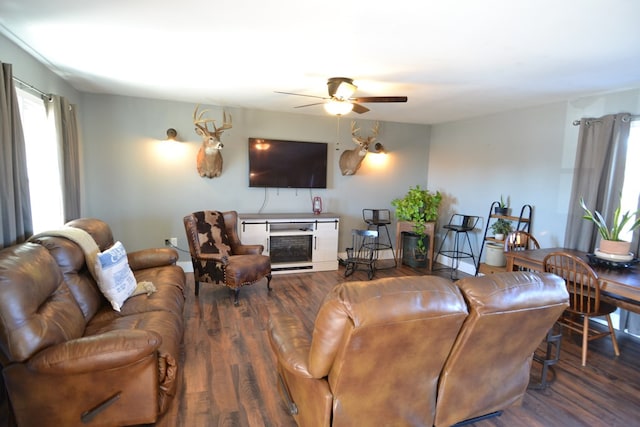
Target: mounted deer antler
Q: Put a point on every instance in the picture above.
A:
(209, 160)
(350, 160)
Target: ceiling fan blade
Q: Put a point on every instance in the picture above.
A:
(359, 108)
(381, 99)
(300, 94)
(309, 105)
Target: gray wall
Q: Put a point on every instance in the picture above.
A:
(527, 155)
(29, 70)
(133, 181)
(144, 186)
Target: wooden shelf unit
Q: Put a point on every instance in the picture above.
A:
(522, 223)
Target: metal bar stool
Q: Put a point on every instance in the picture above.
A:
(378, 219)
(459, 225)
(550, 357)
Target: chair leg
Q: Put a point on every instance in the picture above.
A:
(473, 257)
(236, 293)
(349, 269)
(393, 251)
(197, 289)
(614, 340)
(269, 282)
(585, 339)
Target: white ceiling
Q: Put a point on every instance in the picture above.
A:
(453, 59)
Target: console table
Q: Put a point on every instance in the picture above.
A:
(294, 241)
(429, 230)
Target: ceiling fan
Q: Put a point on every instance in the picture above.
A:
(340, 100)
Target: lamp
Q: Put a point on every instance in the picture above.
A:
(338, 107)
(345, 90)
(379, 148)
(172, 134)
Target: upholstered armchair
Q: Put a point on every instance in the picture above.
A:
(218, 255)
(375, 355)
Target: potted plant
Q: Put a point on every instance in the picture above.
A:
(610, 241)
(418, 206)
(500, 228)
(503, 206)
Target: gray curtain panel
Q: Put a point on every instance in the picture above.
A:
(68, 147)
(15, 204)
(598, 176)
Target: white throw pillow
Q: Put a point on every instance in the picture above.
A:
(115, 278)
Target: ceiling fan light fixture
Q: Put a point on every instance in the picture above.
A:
(345, 90)
(338, 108)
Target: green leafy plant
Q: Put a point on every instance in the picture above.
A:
(501, 226)
(618, 225)
(418, 206)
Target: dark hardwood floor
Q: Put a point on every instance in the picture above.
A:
(229, 377)
(228, 374)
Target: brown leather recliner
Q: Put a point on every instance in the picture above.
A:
(383, 351)
(375, 355)
(218, 255)
(488, 368)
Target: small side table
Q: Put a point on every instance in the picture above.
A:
(429, 230)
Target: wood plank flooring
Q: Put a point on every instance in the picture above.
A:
(229, 376)
(228, 368)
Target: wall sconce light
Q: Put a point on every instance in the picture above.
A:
(379, 148)
(172, 134)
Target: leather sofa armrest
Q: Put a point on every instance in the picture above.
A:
(291, 344)
(249, 250)
(98, 352)
(148, 258)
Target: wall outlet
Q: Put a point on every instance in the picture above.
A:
(171, 241)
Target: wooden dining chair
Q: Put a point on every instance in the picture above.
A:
(520, 241)
(584, 298)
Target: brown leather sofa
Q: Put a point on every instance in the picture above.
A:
(415, 351)
(68, 357)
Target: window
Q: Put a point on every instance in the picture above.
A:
(43, 165)
(631, 186)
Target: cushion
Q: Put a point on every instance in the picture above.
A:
(114, 276)
(212, 233)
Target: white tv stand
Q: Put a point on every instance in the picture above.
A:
(295, 242)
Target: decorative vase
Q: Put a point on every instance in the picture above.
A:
(615, 247)
(498, 236)
(501, 211)
(495, 255)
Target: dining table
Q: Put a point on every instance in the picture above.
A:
(619, 285)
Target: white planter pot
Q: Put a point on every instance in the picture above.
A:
(495, 255)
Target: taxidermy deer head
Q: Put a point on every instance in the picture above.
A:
(350, 160)
(209, 160)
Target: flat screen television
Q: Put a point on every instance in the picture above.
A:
(287, 164)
